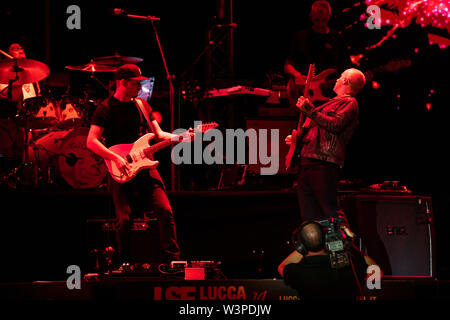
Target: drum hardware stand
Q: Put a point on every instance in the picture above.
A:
(19, 174)
(11, 81)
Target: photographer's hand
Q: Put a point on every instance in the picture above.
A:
(294, 257)
(348, 232)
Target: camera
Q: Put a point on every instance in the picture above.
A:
(337, 243)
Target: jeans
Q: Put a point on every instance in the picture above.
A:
(150, 193)
(317, 189)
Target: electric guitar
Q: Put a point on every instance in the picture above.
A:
(139, 154)
(324, 81)
(318, 84)
(298, 133)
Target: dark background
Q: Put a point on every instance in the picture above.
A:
(397, 138)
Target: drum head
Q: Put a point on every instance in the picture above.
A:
(71, 115)
(77, 165)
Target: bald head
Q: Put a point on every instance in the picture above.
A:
(311, 235)
(357, 79)
(351, 82)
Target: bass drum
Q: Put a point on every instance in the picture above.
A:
(77, 165)
(65, 153)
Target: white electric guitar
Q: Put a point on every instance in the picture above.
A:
(139, 154)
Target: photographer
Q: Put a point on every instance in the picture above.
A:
(312, 269)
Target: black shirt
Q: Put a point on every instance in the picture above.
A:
(123, 121)
(314, 279)
(326, 51)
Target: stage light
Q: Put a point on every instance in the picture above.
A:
(375, 85)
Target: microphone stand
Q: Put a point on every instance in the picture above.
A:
(171, 79)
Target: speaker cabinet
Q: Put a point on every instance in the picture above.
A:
(144, 238)
(396, 231)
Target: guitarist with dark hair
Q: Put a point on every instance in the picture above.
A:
(124, 119)
(318, 145)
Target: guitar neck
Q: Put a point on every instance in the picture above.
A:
(160, 145)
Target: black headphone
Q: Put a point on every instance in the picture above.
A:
(297, 238)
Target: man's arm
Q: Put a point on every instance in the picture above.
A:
(335, 123)
(292, 72)
(294, 257)
(160, 134)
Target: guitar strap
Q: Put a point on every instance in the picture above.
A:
(144, 112)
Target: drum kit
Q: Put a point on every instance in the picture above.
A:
(43, 137)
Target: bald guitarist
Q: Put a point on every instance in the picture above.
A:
(327, 130)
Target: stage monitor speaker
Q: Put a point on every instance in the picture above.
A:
(285, 128)
(396, 231)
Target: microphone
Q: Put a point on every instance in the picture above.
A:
(230, 25)
(118, 12)
(121, 12)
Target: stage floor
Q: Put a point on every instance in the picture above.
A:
(249, 232)
(47, 230)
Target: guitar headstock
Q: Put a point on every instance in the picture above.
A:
(205, 127)
(311, 72)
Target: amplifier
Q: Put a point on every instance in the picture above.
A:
(397, 231)
(144, 238)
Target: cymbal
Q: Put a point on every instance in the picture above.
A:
(117, 60)
(26, 70)
(92, 67)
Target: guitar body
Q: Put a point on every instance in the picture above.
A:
(140, 153)
(134, 154)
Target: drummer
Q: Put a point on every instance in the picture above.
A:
(26, 91)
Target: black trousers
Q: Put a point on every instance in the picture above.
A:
(317, 189)
(149, 193)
